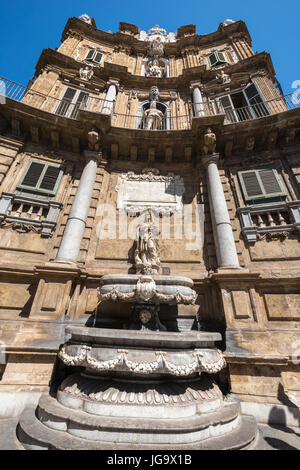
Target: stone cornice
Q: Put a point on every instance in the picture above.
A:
(128, 40)
(231, 138)
(65, 65)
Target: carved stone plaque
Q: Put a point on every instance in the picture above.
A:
(150, 190)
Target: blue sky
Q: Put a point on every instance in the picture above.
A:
(29, 26)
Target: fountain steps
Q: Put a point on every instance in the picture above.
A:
(52, 426)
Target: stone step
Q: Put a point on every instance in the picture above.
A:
(57, 416)
(35, 436)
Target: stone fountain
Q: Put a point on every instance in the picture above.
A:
(140, 387)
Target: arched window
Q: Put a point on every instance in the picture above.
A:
(163, 107)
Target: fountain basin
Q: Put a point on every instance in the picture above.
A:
(142, 353)
(139, 288)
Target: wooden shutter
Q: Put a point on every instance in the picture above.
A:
(251, 184)
(255, 99)
(41, 178)
(65, 103)
(261, 184)
(50, 178)
(33, 174)
(224, 104)
(253, 94)
(269, 179)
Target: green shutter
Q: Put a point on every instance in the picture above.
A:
(50, 178)
(270, 181)
(260, 185)
(251, 184)
(41, 178)
(33, 174)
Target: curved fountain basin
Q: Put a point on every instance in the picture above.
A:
(151, 339)
(157, 289)
(142, 352)
(113, 279)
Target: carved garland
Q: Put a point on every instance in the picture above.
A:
(178, 298)
(161, 364)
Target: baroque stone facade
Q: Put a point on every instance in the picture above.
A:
(192, 127)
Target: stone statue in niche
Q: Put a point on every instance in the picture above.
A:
(145, 256)
(94, 140)
(86, 73)
(272, 139)
(223, 77)
(153, 117)
(250, 142)
(155, 68)
(210, 142)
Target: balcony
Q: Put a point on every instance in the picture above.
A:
(70, 110)
(269, 221)
(29, 214)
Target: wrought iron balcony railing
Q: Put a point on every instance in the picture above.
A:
(86, 101)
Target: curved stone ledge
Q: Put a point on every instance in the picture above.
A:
(181, 364)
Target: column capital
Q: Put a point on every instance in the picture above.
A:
(196, 84)
(113, 81)
(92, 155)
(209, 159)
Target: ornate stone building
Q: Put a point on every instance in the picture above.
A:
(192, 127)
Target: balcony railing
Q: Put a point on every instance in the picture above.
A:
(29, 214)
(61, 107)
(269, 220)
(70, 109)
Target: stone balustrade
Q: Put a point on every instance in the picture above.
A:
(271, 220)
(26, 213)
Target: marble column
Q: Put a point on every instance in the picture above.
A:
(72, 237)
(197, 100)
(224, 241)
(110, 98)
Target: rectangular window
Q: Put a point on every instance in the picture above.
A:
(254, 98)
(41, 178)
(217, 58)
(262, 185)
(94, 56)
(72, 101)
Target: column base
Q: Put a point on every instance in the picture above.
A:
(229, 268)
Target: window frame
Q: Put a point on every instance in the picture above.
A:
(72, 103)
(92, 59)
(220, 60)
(37, 190)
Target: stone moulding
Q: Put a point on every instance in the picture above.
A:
(200, 362)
